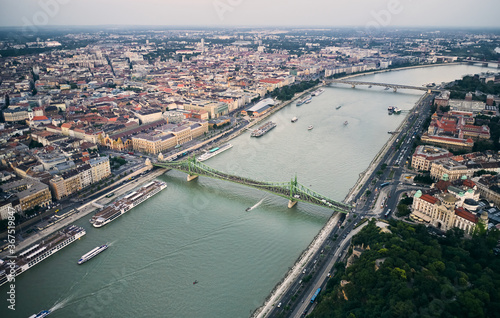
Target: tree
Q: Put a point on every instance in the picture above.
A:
(403, 210)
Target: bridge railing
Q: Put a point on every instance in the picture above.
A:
(292, 190)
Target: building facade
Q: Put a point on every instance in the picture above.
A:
(442, 213)
(30, 192)
(424, 156)
(100, 168)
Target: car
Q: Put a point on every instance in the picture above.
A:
(279, 305)
(300, 281)
(304, 271)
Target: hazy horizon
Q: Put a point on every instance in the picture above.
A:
(252, 13)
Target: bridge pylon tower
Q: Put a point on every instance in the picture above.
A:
(191, 175)
(293, 191)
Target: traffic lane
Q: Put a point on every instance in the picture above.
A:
(322, 277)
(327, 250)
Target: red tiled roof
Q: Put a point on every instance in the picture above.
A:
(469, 183)
(429, 198)
(270, 80)
(40, 118)
(461, 212)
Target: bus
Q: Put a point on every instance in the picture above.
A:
(384, 184)
(315, 295)
(387, 213)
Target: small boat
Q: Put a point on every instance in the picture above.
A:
(369, 86)
(41, 314)
(195, 282)
(247, 209)
(310, 127)
(294, 119)
(386, 88)
(338, 107)
(345, 123)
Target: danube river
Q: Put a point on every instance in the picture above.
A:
(201, 231)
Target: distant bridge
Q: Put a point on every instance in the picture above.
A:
(394, 87)
(483, 63)
(293, 191)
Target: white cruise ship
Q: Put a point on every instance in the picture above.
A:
(130, 201)
(214, 152)
(38, 252)
(318, 92)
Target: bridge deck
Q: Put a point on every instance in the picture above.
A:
(292, 190)
(396, 86)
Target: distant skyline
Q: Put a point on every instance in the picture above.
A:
(362, 13)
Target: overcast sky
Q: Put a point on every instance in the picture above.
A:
(452, 13)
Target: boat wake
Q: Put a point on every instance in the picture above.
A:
(112, 243)
(60, 304)
(255, 205)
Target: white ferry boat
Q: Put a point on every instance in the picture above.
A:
(214, 152)
(41, 314)
(130, 201)
(92, 253)
(38, 252)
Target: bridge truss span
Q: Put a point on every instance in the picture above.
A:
(292, 190)
(395, 87)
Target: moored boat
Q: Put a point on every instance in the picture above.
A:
(310, 127)
(345, 123)
(39, 252)
(263, 129)
(318, 92)
(122, 206)
(294, 119)
(213, 152)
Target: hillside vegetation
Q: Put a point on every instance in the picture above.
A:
(420, 275)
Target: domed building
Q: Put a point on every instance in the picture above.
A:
(442, 212)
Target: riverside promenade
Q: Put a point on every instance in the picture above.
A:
(85, 209)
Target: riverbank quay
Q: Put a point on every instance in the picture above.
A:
(282, 287)
(363, 176)
(296, 270)
(274, 110)
(89, 207)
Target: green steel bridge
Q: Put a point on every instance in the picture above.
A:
(291, 190)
